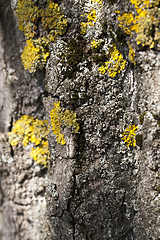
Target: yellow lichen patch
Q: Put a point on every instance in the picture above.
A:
(91, 14)
(60, 119)
(21, 131)
(31, 20)
(27, 129)
(40, 130)
(70, 120)
(53, 19)
(129, 135)
(126, 21)
(145, 3)
(96, 43)
(83, 27)
(115, 64)
(35, 54)
(50, 37)
(27, 14)
(56, 122)
(98, 1)
(131, 54)
(91, 17)
(146, 23)
(41, 154)
(30, 30)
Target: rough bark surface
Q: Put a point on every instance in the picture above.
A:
(22, 180)
(96, 186)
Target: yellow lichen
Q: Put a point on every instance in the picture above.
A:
(53, 19)
(146, 23)
(60, 119)
(27, 14)
(98, 1)
(131, 54)
(83, 27)
(27, 129)
(145, 3)
(96, 43)
(91, 16)
(41, 153)
(21, 130)
(129, 135)
(115, 64)
(35, 54)
(126, 21)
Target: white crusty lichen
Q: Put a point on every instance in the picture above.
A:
(58, 49)
(91, 26)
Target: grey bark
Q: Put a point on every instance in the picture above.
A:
(96, 187)
(22, 181)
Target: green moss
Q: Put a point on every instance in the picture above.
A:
(80, 37)
(141, 117)
(120, 36)
(157, 117)
(99, 58)
(139, 140)
(111, 62)
(84, 98)
(112, 1)
(157, 134)
(75, 55)
(104, 26)
(80, 143)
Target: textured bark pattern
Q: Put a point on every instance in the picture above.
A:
(106, 190)
(97, 187)
(22, 180)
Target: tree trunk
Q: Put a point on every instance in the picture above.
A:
(104, 182)
(22, 180)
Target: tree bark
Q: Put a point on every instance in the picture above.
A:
(96, 187)
(22, 180)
